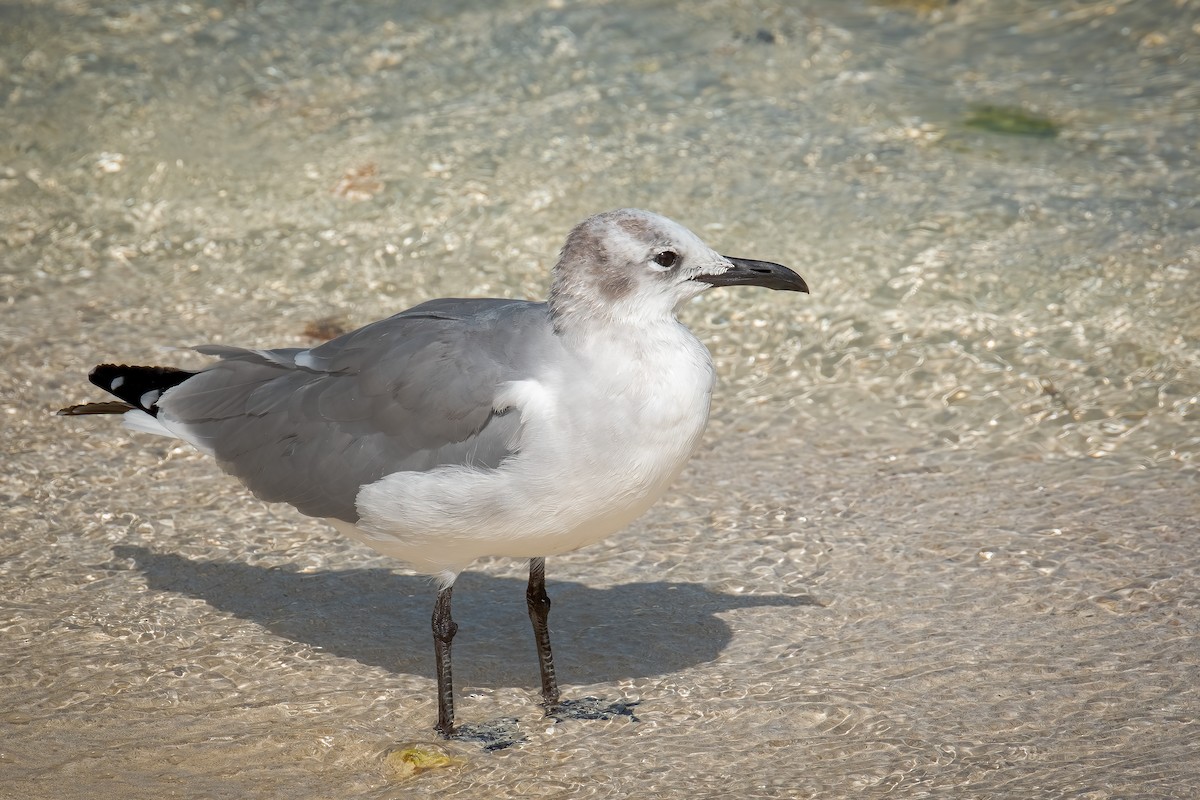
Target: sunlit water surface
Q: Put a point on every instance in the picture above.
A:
(941, 537)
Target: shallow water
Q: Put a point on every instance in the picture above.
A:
(941, 537)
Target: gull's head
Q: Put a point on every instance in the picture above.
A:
(633, 265)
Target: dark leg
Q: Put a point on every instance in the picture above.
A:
(494, 735)
(443, 633)
(539, 609)
(558, 709)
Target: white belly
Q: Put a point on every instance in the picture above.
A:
(600, 443)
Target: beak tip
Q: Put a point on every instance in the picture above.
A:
(749, 272)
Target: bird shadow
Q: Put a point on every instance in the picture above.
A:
(382, 619)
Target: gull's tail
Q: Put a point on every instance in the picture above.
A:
(138, 388)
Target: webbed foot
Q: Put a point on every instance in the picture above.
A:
(496, 734)
(591, 708)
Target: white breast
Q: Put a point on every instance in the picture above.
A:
(602, 437)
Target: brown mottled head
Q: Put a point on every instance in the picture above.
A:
(630, 264)
(585, 248)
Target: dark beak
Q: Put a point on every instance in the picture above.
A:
(747, 272)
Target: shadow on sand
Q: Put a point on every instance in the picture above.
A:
(379, 618)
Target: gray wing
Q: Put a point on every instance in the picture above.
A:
(408, 393)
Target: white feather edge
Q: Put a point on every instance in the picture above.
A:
(140, 421)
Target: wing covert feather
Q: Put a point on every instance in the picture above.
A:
(411, 392)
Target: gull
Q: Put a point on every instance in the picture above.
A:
(465, 428)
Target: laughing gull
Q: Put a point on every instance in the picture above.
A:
(464, 428)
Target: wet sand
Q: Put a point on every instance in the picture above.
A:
(940, 539)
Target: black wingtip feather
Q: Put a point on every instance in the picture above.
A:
(140, 387)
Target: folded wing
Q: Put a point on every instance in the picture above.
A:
(409, 393)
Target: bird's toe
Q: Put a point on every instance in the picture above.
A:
(592, 708)
(496, 734)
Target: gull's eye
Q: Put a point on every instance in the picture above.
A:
(667, 258)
